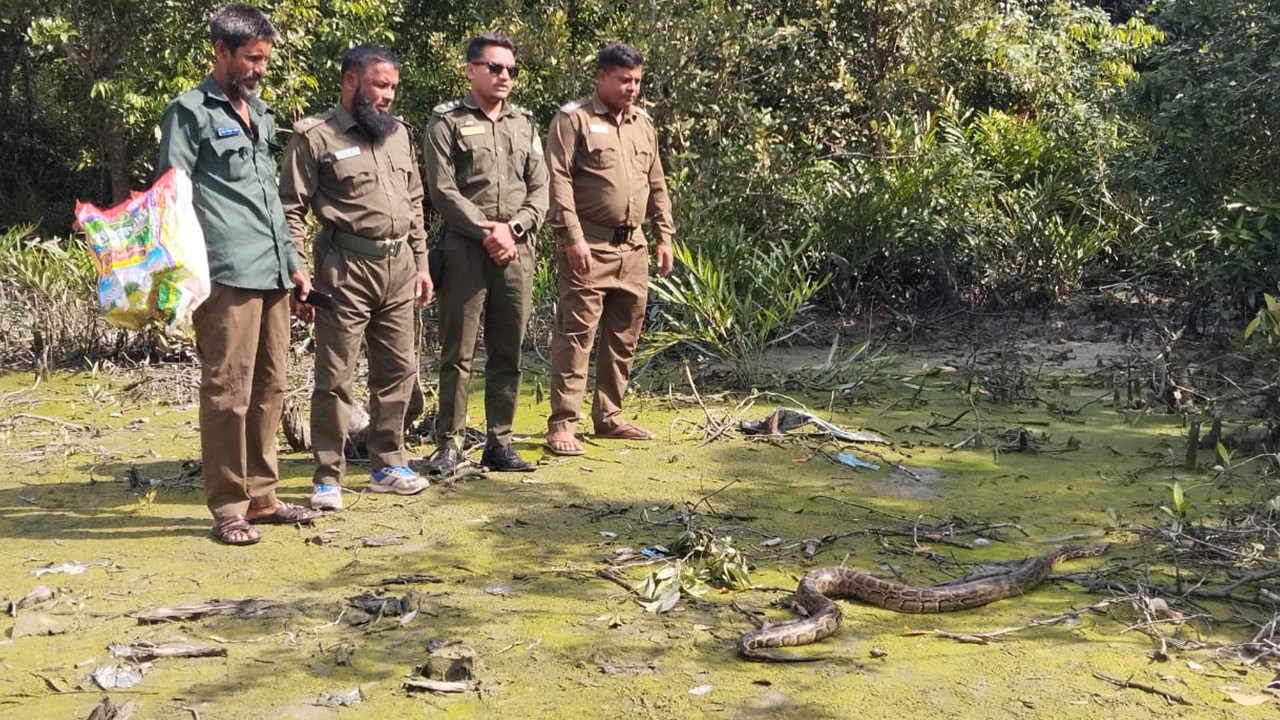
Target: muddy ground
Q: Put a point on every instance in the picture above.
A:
(513, 561)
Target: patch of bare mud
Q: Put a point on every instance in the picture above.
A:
(918, 483)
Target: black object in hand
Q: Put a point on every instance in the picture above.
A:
(317, 298)
(435, 266)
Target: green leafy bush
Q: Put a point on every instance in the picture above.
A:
(733, 295)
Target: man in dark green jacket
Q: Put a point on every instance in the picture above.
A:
(488, 179)
(221, 135)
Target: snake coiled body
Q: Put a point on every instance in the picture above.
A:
(813, 599)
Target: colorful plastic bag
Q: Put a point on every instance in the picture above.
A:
(150, 255)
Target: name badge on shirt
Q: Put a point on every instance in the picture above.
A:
(466, 130)
(598, 128)
(346, 153)
(228, 131)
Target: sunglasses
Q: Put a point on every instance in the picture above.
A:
(495, 69)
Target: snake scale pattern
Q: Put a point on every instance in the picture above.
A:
(814, 599)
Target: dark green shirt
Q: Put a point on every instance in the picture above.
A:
(480, 169)
(233, 175)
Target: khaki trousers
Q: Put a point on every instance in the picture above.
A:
(612, 298)
(242, 340)
(374, 307)
(473, 285)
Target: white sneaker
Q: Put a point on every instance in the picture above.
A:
(397, 479)
(326, 497)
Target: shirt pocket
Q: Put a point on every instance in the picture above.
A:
(230, 158)
(356, 175)
(641, 157)
(477, 157)
(401, 170)
(520, 144)
(602, 151)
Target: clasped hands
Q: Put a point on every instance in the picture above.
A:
(500, 242)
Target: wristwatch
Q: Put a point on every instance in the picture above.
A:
(516, 228)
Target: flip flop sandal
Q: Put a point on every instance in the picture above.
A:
(286, 514)
(626, 431)
(573, 448)
(234, 530)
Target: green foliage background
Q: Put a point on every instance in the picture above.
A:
(922, 153)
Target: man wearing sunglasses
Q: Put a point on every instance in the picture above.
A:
(606, 179)
(488, 179)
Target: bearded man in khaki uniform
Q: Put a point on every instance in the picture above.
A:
(488, 179)
(354, 168)
(606, 178)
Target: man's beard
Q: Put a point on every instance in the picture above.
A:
(241, 90)
(377, 124)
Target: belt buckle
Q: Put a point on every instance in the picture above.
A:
(621, 234)
(390, 247)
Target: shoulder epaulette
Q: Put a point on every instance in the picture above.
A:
(641, 112)
(446, 107)
(402, 121)
(526, 112)
(312, 122)
(570, 106)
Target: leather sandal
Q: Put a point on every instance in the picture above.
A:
(234, 530)
(286, 514)
(564, 444)
(625, 431)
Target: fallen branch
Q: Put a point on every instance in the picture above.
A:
(146, 651)
(439, 686)
(213, 607)
(45, 418)
(1130, 685)
(607, 575)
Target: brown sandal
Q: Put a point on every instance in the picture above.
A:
(625, 431)
(234, 530)
(285, 514)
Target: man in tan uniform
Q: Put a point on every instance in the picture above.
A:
(606, 178)
(354, 168)
(488, 179)
(220, 134)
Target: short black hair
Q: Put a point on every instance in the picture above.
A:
(362, 56)
(475, 48)
(618, 55)
(237, 24)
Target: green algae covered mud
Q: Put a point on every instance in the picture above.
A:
(495, 582)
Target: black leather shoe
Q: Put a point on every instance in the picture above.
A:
(445, 460)
(504, 459)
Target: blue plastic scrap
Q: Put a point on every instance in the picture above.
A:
(847, 459)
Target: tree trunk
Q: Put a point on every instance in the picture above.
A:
(115, 149)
